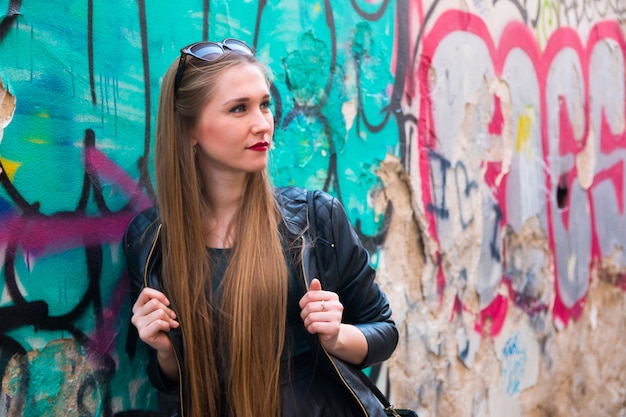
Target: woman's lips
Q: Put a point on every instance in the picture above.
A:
(260, 146)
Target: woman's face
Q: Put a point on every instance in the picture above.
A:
(236, 126)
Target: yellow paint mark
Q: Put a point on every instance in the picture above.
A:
(523, 133)
(44, 115)
(525, 122)
(38, 141)
(318, 8)
(10, 167)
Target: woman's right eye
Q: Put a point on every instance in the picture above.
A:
(238, 109)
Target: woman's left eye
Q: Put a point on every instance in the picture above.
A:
(266, 104)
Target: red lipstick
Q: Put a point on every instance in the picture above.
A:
(260, 146)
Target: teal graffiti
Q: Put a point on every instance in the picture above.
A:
(75, 165)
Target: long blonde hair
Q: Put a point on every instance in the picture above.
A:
(252, 317)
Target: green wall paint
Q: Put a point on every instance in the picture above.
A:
(85, 77)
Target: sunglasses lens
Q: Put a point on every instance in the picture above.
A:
(206, 51)
(237, 46)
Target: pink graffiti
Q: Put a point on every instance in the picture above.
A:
(491, 317)
(99, 164)
(497, 122)
(517, 36)
(102, 340)
(37, 234)
(495, 313)
(610, 142)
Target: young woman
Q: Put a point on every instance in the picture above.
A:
(227, 290)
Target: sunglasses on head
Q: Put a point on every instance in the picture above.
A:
(208, 51)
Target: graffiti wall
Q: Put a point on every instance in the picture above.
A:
(478, 148)
(516, 139)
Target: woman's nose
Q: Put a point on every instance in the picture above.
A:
(262, 122)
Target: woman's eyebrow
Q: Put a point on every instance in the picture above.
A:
(236, 100)
(243, 99)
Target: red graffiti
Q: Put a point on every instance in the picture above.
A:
(571, 142)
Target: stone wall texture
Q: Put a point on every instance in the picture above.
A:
(479, 148)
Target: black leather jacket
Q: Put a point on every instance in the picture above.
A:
(345, 269)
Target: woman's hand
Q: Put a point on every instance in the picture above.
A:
(321, 312)
(153, 319)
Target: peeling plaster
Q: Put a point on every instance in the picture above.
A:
(586, 161)
(7, 108)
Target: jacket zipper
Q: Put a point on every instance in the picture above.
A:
(145, 283)
(345, 383)
(306, 285)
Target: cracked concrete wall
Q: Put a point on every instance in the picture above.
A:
(514, 303)
(528, 366)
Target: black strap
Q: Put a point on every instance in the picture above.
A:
(310, 198)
